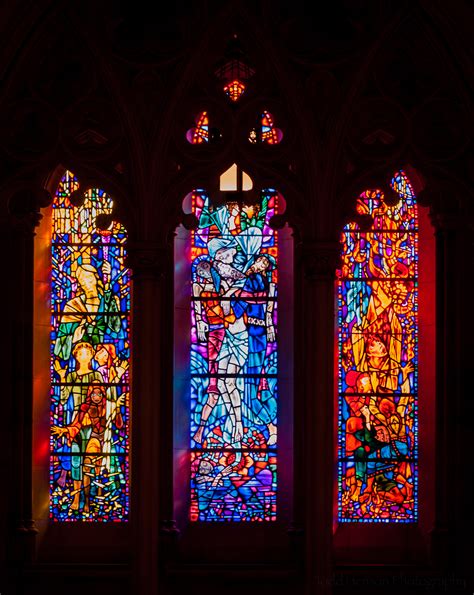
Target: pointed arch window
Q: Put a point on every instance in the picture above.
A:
(233, 271)
(232, 259)
(378, 360)
(89, 357)
(234, 262)
(266, 132)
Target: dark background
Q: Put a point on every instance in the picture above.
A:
(360, 89)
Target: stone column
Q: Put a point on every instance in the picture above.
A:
(454, 327)
(17, 246)
(151, 266)
(319, 261)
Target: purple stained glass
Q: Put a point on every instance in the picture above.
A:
(90, 352)
(234, 360)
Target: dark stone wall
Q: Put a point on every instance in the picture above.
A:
(108, 90)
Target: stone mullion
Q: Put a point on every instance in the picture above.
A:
(319, 263)
(149, 281)
(17, 241)
(448, 398)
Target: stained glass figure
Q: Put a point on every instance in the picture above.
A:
(378, 335)
(267, 132)
(199, 134)
(233, 431)
(90, 351)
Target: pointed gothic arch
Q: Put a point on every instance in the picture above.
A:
(82, 309)
(233, 454)
(148, 82)
(381, 485)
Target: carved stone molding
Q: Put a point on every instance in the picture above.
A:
(320, 260)
(92, 129)
(25, 206)
(441, 128)
(296, 536)
(169, 529)
(444, 222)
(27, 526)
(30, 129)
(189, 221)
(148, 260)
(378, 129)
(26, 532)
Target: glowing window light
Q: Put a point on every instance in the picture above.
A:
(267, 132)
(199, 134)
(233, 429)
(270, 134)
(90, 350)
(234, 90)
(229, 180)
(234, 71)
(378, 386)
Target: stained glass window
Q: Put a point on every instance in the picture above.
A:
(378, 335)
(90, 351)
(234, 71)
(233, 376)
(234, 90)
(267, 132)
(199, 134)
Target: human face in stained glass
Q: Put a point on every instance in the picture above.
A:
(260, 265)
(90, 300)
(226, 255)
(234, 397)
(375, 347)
(363, 383)
(83, 354)
(96, 395)
(378, 332)
(87, 280)
(102, 356)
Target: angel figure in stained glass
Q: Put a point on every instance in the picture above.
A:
(73, 395)
(210, 323)
(86, 435)
(256, 302)
(88, 315)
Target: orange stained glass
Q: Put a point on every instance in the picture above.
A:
(201, 132)
(234, 90)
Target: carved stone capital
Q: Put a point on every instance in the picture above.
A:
(148, 260)
(320, 260)
(278, 221)
(189, 221)
(27, 527)
(296, 537)
(444, 222)
(26, 532)
(441, 543)
(25, 206)
(296, 533)
(169, 528)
